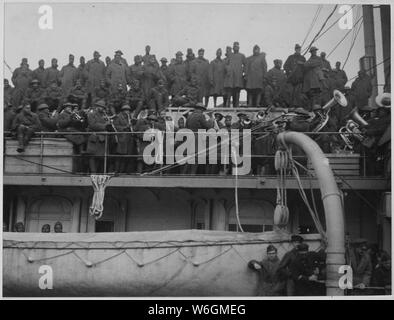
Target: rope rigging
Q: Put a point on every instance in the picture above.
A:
(312, 24)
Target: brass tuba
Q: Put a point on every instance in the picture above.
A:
(352, 130)
(338, 98)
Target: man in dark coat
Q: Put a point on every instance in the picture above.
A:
(34, 95)
(165, 73)
(269, 282)
(286, 261)
(178, 75)
(200, 69)
(148, 57)
(126, 142)
(136, 71)
(97, 122)
(256, 71)
(78, 94)
(294, 72)
(82, 74)
(216, 78)
(101, 92)
(22, 76)
(276, 78)
(95, 70)
(234, 77)
(52, 73)
(150, 76)
(190, 56)
(70, 120)
(118, 97)
(325, 63)
(339, 76)
(25, 124)
(159, 97)
(40, 73)
(135, 98)
(195, 121)
(68, 75)
(361, 90)
(116, 73)
(313, 76)
(54, 96)
(48, 123)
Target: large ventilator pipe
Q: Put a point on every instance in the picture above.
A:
(332, 206)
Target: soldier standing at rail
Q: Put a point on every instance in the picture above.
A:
(70, 120)
(339, 77)
(255, 72)
(216, 78)
(235, 73)
(190, 56)
(150, 77)
(116, 73)
(96, 147)
(25, 124)
(126, 143)
(313, 77)
(200, 69)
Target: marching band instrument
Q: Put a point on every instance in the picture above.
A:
(111, 125)
(338, 98)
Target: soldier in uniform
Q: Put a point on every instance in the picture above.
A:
(97, 122)
(22, 76)
(68, 75)
(200, 69)
(48, 123)
(313, 77)
(52, 73)
(339, 77)
(34, 95)
(70, 120)
(235, 73)
(95, 70)
(8, 94)
(123, 122)
(325, 63)
(361, 90)
(294, 72)
(116, 73)
(159, 97)
(136, 71)
(269, 282)
(25, 124)
(178, 75)
(135, 98)
(40, 73)
(118, 97)
(101, 92)
(191, 94)
(165, 72)
(150, 77)
(190, 56)
(78, 94)
(147, 58)
(216, 77)
(54, 96)
(255, 72)
(82, 72)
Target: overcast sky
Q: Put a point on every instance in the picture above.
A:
(81, 28)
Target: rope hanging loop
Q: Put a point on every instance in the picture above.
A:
(281, 215)
(281, 160)
(99, 183)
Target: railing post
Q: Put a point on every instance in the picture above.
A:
(105, 153)
(41, 152)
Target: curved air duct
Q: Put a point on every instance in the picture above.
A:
(332, 206)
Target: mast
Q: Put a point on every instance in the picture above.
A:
(386, 41)
(370, 50)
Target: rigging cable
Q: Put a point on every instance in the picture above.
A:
(312, 24)
(352, 44)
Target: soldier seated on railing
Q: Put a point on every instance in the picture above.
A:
(25, 124)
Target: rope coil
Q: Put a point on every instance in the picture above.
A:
(99, 184)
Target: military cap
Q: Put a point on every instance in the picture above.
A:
(125, 107)
(296, 237)
(228, 117)
(236, 43)
(179, 53)
(19, 108)
(189, 50)
(201, 50)
(24, 59)
(303, 247)
(271, 249)
(34, 81)
(313, 49)
(164, 59)
(219, 115)
(241, 115)
(297, 46)
(199, 105)
(119, 52)
(152, 117)
(96, 52)
(100, 103)
(42, 106)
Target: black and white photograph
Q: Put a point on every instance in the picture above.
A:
(199, 150)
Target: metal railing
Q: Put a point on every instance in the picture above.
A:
(108, 156)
